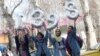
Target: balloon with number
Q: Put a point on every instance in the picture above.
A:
(37, 18)
(71, 10)
(52, 21)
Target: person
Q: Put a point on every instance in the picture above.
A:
(41, 44)
(58, 43)
(22, 44)
(5, 53)
(71, 41)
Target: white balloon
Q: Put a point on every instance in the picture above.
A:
(37, 16)
(52, 21)
(72, 14)
(37, 22)
(37, 13)
(71, 10)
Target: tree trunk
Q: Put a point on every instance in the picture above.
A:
(91, 37)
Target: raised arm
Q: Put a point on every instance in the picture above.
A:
(33, 38)
(31, 34)
(74, 29)
(52, 40)
(48, 35)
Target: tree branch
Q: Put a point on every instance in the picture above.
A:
(16, 7)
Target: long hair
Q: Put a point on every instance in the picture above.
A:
(71, 27)
(39, 33)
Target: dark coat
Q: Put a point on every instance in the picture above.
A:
(26, 44)
(41, 45)
(73, 43)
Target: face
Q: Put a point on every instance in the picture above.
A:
(58, 32)
(39, 36)
(69, 29)
(20, 33)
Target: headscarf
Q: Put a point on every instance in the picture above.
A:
(58, 39)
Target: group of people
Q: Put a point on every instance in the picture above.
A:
(61, 46)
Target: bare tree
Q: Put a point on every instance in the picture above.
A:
(9, 19)
(95, 16)
(90, 33)
(86, 26)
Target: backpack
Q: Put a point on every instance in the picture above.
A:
(68, 47)
(80, 41)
